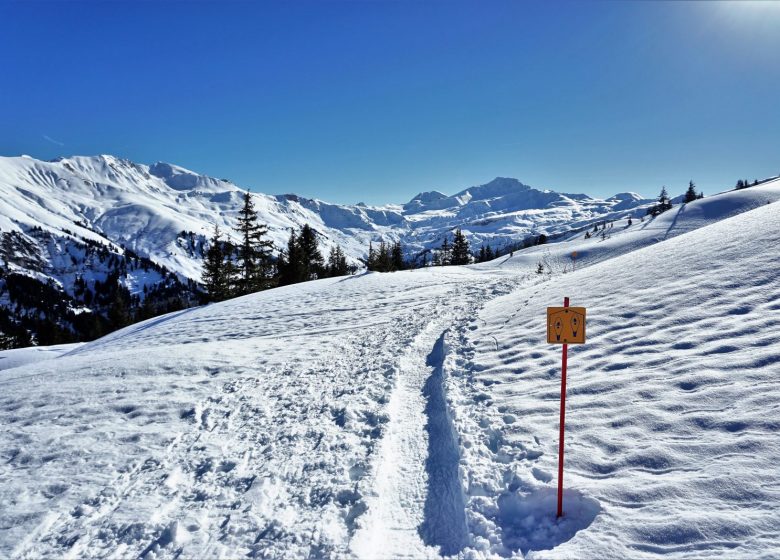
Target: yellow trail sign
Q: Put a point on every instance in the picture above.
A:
(566, 325)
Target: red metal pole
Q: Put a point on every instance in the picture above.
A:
(563, 417)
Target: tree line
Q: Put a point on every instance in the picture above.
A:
(236, 269)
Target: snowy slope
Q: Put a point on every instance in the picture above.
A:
(22, 356)
(672, 415)
(414, 414)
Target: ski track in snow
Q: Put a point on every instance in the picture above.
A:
(416, 509)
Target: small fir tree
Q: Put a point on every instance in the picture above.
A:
(215, 278)
(690, 194)
(445, 253)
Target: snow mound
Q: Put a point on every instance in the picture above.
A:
(529, 522)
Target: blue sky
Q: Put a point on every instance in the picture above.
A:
(375, 101)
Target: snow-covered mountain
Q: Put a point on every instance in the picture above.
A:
(415, 414)
(166, 213)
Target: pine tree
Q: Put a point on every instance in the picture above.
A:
(397, 257)
(290, 265)
(690, 194)
(445, 253)
(664, 202)
(254, 252)
(337, 262)
(215, 277)
(489, 255)
(371, 261)
(481, 257)
(311, 257)
(383, 258)
(460, 249)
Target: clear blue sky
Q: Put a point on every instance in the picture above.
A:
(375, 101)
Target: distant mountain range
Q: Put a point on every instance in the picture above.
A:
(152, 222)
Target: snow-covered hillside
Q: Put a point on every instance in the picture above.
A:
(415, 414)
(166, 213)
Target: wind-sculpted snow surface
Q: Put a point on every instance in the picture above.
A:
(415, 414)
(672, 413)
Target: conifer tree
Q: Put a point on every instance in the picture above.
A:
(383, 258)
(397, 256)
(337, 262)
(489, 255)
(371, 261)
(690, 194)
(254, 252)
(311, 258)
(445, 253)
(460, 249)
(482, 255)
(664, 202)
(215, 277)
(290, 263)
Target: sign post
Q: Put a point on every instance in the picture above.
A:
(565, 325)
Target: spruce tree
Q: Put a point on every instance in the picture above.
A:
(214, 270)
(460, 249)
(445, 254)
(383, 258)
(482, 254)
(290, 265)
(371, 261)
(489, 255)
(337, 262)
(690, 194)
(397, 256)
(254, 251)
(664, 202)
(311, 257)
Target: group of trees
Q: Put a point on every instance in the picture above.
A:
(744, 183)
(691, 194)
(455, 253)
(486, 254)
(665, 203)
(231, 270)
(386, 258)
(303, 261)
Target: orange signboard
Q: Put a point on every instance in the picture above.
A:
(566, 325)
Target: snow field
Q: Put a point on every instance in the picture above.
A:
(672, 409)
(219, 431)
(416, 414)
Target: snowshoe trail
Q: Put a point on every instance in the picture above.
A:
(416, 505)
